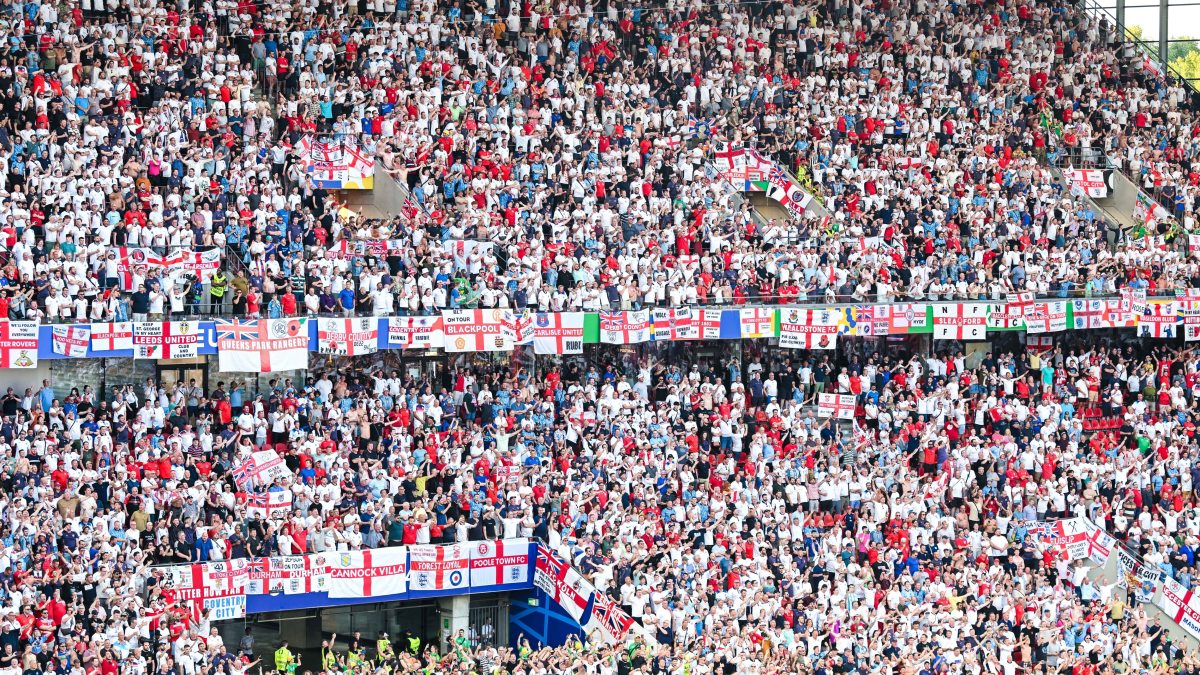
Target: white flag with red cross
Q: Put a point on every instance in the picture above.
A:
(907, 317)
(111, 337)
(558, 333)
(348, 337)
(758, 322)
(262, 346)
(133, 263)
(1088, 314)
(840, 406)
(416, 332)
(1046, 317)
(166, 340)
(477, 330)
(518, 326)
(960, 321)
(290, 575)
(18, 344)
(708, 324)
(673, 324)
(496, 563)
(71, 341)
(267, 505)
(369, 574)
(1157, 320)
(808, 328)
(439, 568)
(199, 264)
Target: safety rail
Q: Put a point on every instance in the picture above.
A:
(746, 302)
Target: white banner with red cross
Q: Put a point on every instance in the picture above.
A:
(840, 406)
(558, 333)
(71, 341)
(1157, 320)
(262, 346)
(496, 563)
(416, 332)
(808, 328)
(476, 330)
(166, 340)
(955, 321)
(439, 568)
(369, 574)
(111, 337)
(348, 337)
(290, 575)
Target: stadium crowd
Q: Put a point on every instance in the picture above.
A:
(576, 143)
(742, 531)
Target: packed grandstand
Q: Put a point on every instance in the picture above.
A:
(754, 336)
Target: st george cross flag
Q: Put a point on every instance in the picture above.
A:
(960, 321)
(111, 337)
(290, 574)
(166, 340)
(908, 317)
(673, 324)
(133, 263)
(348, 337)
(200, 264)
(18, 344)
(495, 563)
(1004, 317)
(476, 330)
(708, 324)
(1046, 317)
(1119, 314)
(1189, 311)
(262, 346)
(71, 340)
(416, 332)
(881, 318)
(625, 328)
(1088, 181)
(840, 406)
(518, 326)
(369, 574)
(1157, 320)
(758, 323)
(1010, 314)
(558, 333)
(808, 328)
(1039, 343)
(439, 568)
(268, 505)
(1088, 314)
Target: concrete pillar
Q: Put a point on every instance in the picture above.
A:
(1164, 29)
(455, 614)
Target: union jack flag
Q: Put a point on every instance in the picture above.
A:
(700, 124)
(241, 475)
(237, 330)
(777, 178)
(612, 320)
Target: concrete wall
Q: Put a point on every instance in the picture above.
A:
(386, 199)
(1119, 205)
